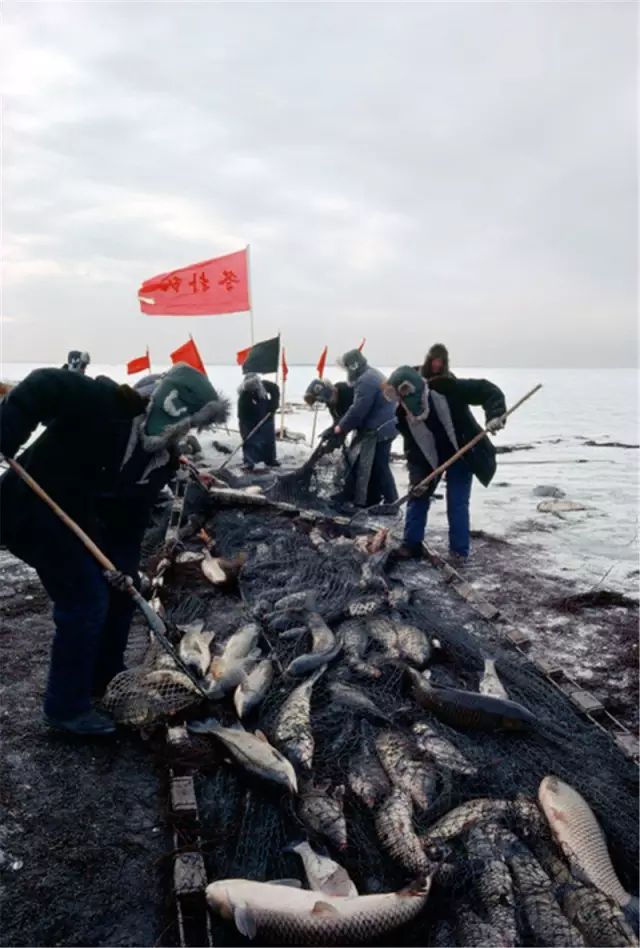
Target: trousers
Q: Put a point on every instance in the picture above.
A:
(459, 478)
(91, 619)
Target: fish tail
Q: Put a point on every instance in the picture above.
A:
(418, 886)
(631, 913)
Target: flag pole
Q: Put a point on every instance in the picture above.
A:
(149, 359)
(250, 293)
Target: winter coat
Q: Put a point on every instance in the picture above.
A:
(344, 401)
(252, 408)
(458, 395)
(370, 410)
(89, 458)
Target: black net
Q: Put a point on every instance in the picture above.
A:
(408, 790)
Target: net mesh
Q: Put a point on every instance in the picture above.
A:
(501, 878)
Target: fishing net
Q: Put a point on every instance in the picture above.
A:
(501, 879)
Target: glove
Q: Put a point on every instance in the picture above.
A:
(495, 424)
(327, 433)
(118, 580)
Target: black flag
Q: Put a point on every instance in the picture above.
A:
(263, 357)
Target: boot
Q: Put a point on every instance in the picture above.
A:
(87, 724)
(408, 551)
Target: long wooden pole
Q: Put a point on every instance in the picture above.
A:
(417, 489)
(251, 433)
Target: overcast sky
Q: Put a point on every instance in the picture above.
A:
(412, 173)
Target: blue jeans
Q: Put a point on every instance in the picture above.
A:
(459, 478)
(91, 619)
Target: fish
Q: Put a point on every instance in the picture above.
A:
(323, 813)
(296, 601)
(577, 831)
(323, 873)
(242, 642)
(355, 641)
(252, 752)
(397, 836)
(383, 632)
(544, 918)
(294, 633)
(460, 819)
(469, 710)
(325, 648)
(252, 690)
(238, 657)
(285, 916)
(212, 569)
(473, 932)
(439, 748)
(490, 683)
(413, 644)
(493, 883)
(404, 769)
(193, 647)
(351, 697)
(596, 916)
(292, 731)
(366, 777)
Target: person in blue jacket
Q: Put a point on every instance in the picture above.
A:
(372, 417)
(104, 455)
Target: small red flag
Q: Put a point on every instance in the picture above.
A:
(189, 353)
(322, 361)
(138, 365)
(208, 288)
(241, 357)
(361, 346)
(285, 367)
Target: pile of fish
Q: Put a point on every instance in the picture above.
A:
(536, 872)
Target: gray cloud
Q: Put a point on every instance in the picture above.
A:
(406, 172)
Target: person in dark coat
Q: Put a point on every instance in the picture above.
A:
(435, 420)
(77, 361)
(337, 397)
(104, 456)
(258, 399)
(373, 419)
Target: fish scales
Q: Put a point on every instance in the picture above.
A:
(404, 769)
(442, 750)
(323, 873)
(251, 751)
(383, 632)
(351, 697)
(252, 690)
(397, 836)
(325, 647)
(493, 882)
(292, 731)
(596, 916)
(354, 642)
(412, 643)
(460, 819)
(281, 915)
(366, 777)
(324, 814)
(473, 932)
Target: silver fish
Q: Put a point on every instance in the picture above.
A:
(578, 833)
(366, 778)
(242, 642)
(413, 644)
(404, 769)
(324, 814)
(469, 710)
(297, 600)
(294, 633)
(490, 683)
(356, 700)
(292, 731)
(398, 838)
(460, 819)
(252, 752)
(355, 641)
(238, 657)
(252, 690)
(323, 873)
(535, 897)
(324, 649)
(285, 916)
(443, 751)
(194, 647)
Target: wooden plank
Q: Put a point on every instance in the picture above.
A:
(189, 875)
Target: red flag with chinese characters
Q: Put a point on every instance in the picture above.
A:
(241, 357)
(139, 365)
(209, 288)
(322, 361)
(189, 353)
(285, 367)
(361, 346)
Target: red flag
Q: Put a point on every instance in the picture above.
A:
(361, 346)
(214, 286)
(189, 353)
(285, 367)
(322, 361)
(138, 365)
(241, 357)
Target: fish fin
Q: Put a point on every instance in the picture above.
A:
(323, 908)
(203, 727)
(237, 697)
(631, 912)
(292, 883)
(245, 920)
(215, 668)
(419, 886)
(261, 735)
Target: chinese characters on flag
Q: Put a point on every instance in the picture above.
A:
(209, 288)
(189, 353)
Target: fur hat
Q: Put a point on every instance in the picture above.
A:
(183, 398)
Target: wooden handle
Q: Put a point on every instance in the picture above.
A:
(104, 561)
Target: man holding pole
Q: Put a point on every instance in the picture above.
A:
(104, 456)
(435, 421)
(258, 402)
